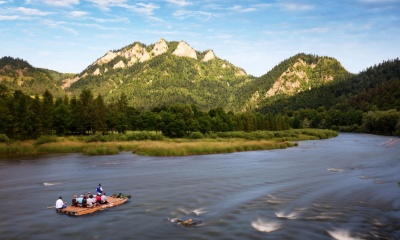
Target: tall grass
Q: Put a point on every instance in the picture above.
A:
(201, 147)
(152, 143)
(17, 148)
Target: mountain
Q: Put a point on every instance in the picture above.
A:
(166, 73)
(376, 88)
(300, 73)
(173, 72)
(161, 73)
(18, 74)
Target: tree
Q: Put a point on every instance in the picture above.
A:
(47, 112)
(62, 118)
(86, 104)
(99, 115)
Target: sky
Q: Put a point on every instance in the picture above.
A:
(256, 35)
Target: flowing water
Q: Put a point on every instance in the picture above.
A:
(340, 188)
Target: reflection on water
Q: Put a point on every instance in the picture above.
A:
(340, 188)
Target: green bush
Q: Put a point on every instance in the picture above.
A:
(45, 139)
(196, 135)
(98, 137)
(4, 138)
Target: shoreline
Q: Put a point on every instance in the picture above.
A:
(168, 147)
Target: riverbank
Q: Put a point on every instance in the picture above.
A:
(157, 145)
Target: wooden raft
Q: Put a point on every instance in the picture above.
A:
(78, 211)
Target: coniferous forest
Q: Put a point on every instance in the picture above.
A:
(23, 117)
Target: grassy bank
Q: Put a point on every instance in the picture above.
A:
(153, 144)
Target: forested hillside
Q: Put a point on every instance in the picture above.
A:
(18, 74)
(366, 102)
(297, 74)
(159, 74)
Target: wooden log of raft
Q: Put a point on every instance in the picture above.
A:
(78, 211)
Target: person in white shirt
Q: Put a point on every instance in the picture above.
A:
(94, 200)
(60, 204)
(89, 202)
(103, 198)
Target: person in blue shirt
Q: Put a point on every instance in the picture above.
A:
(99, 189)
(80, 200)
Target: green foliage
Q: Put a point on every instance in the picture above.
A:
(382, 122)
(100, 150)
(45, 139)
(4, 138)
(196, 135)
(138, 136)
(18, 74)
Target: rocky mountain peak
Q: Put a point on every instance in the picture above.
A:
(209, 55)
(160, 47)
(184, 50)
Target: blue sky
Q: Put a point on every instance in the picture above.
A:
(69, 35)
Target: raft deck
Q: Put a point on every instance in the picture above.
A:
(78, 211)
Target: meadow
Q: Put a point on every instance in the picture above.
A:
(155, 144)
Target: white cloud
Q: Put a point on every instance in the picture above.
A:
(291, 6)
(32, 11)
(197, 14)
(143, 8)
(180, 3)
(58, 3)
(105, 4)
(103, 20)
(13, 17)
(239, 8)
(59, 25)
(78, 13)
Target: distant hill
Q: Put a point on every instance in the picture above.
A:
(18, 74)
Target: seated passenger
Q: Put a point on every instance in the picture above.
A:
(75, 201)
(84, 201)
(80, 200)
(94, 200)
(89, 202)
(103, 198)
(98, 198)
(60, 204)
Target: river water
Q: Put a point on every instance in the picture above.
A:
(340, 188)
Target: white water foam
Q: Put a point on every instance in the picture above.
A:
(199, 211)
(50, 183)
(274, 200)
(334, 170)
(263, 225)
(341, 234)
(287, 215)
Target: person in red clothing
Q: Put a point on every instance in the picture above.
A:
(98, 198)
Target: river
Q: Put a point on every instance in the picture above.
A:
(339, 188)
